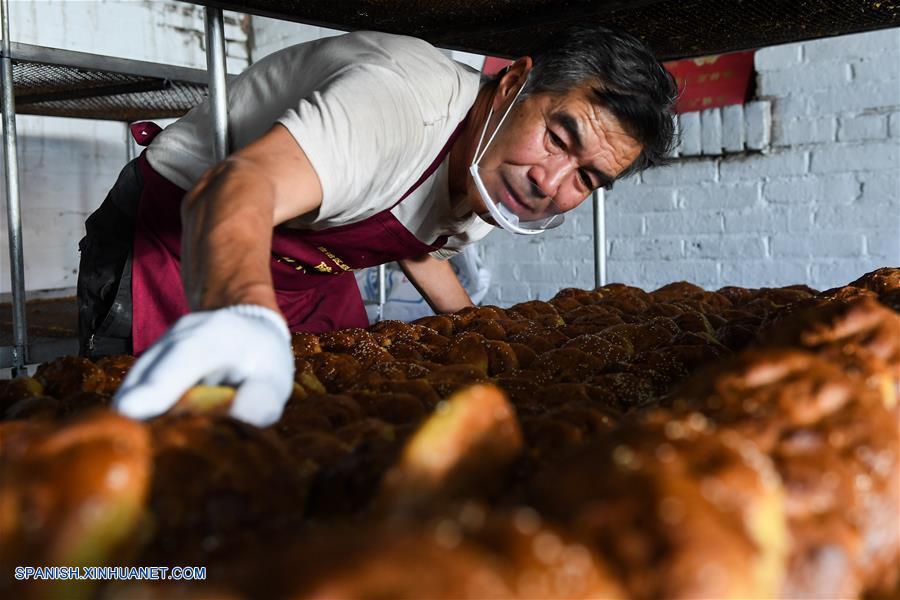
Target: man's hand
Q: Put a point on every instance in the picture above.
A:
(437, 283)
(246, 346)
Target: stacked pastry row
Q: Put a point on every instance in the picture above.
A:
(616, 443)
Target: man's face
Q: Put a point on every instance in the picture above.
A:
(551, 153)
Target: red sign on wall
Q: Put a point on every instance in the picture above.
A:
(712, 81)
(493, 65)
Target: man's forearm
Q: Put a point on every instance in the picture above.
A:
(227, 221)
(437, 283)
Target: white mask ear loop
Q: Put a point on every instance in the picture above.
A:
(478, 156)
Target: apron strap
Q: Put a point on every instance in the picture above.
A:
(144, 132)
(436, 162)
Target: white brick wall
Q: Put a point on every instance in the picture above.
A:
(68, 165)
(819, 205)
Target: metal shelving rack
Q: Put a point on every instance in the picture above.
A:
(45, 81)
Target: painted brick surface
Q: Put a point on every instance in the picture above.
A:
(894, 125)
(808, 246)
(631, 248)
(725, 246)
(711, 131)
(851, 46)
(719, 196)
(756, 168)
(757, 124)
(799, 79)
(689, 128)
(764, 273)
(880, 67)
(688, 171)
(863, 127)
(799, 131)
(884, 246)
(733, 133)
(842, 158)
(855, 98)
(808, 189)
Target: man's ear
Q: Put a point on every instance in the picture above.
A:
(512, 78)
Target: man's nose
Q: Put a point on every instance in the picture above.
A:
(549, 176)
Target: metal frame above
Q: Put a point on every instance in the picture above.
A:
(107, 64)
(672, 28)
(67, 83)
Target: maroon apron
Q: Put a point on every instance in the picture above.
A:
(312, 271)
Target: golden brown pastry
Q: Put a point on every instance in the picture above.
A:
(305, 344)
(737, 295)
(464, 317)
(83, 402)
(13, 390)
(73, 495)
(337, 372)
(358, 343)
(392, 408)
(319, 447)
(501, 357)
(692, 515)
(694, 321)
(367, 430)
(490, 329)
(115, 368)
(823, 426)
(460, 451)
(610, 350)
(439, 324)
(566, 365)
(525, 355)
(676, 291)
(68, 375)
(547, 438)
(860, 333)
(447, 379)
(891, 299)
(880, 281)
(663, 309)
(542, 339)
(632, 390)
(396, 370)
(465, 348)
(534, 309)
(214, 478)
(34, 408)
(421, 389)
(467, 554)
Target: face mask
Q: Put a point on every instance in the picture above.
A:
(503, 215)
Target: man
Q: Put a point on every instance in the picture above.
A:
(349, 152)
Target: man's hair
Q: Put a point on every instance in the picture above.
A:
(624, 76)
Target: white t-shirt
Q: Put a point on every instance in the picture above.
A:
(370, 110)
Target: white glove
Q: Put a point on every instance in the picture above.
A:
(246, 346)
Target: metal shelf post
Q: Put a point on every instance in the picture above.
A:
(598, 199)
(215, 66)
(13, 202)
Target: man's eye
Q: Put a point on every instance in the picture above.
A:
(557, 141)
(586, 179)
